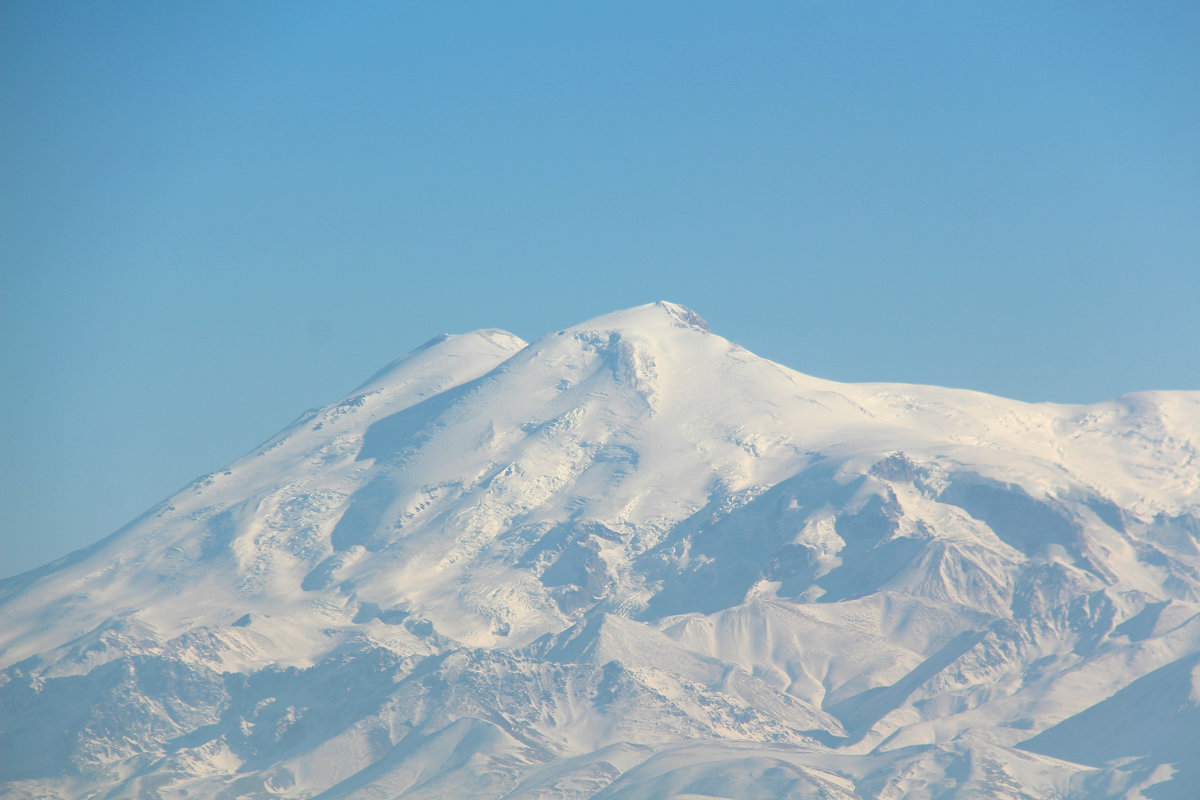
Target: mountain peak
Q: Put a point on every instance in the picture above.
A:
(574, 562)
(647, 319)
(488, 346)
(683, 314)
(496, 337)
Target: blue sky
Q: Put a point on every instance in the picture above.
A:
(216, 215)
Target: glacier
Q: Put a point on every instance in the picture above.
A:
(633, 560)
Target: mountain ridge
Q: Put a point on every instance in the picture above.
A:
(630, 537)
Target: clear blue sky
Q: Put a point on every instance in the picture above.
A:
(216, 215)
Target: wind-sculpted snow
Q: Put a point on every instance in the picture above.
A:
(632, 560)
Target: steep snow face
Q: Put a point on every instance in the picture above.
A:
(242, 537)
(630, 559)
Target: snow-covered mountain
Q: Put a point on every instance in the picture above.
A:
(634, 560)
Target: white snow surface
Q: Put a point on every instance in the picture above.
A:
(634, 560)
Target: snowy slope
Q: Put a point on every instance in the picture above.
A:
(633, 560)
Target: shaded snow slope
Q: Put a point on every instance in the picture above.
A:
(633, 560)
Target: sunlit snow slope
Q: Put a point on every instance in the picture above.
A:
(633, 560)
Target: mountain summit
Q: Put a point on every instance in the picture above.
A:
(634, 560)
